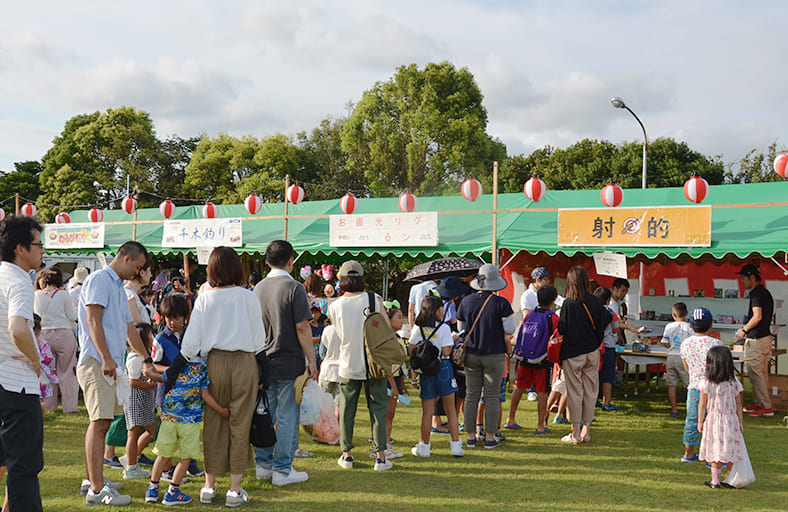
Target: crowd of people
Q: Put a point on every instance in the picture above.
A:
(184, 369)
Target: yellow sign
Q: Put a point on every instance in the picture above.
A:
(657, 226)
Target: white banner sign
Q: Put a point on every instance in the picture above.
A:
(74, 236)
(610, 264)
(384, 230)
(202, 233)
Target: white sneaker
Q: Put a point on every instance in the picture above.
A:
(345, 463)
(124, 461)
(293, 477)
(207, 495)
(108, 497)
(263, 473)
(382, 465)
(235, 499)
(390, 453)
(134, 472)
(85, 486)
(421, 449)
(532, 396)
(456, 448)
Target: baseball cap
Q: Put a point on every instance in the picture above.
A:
(351, 268)
(700, 319)
(540, 272)
(749, 270)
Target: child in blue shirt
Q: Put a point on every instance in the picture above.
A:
(181, 415)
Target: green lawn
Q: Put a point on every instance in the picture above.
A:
(631, 464)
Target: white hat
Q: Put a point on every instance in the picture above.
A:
(80, 274)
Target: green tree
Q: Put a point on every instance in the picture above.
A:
(423, 129)
(22, 181)
(754, 167)
(169, 170)
(218, 165)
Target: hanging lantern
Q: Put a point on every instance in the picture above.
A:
(2, 214)
(129, 204)
(612, 195)
(348, 203)
(95, 215)
(28, 209)
(696, 189)
(167, 208)
(209, 210)
(62, 218)
(779, 163)
(534, 189)
(471, 189)
(407, 202)
(253, 203)
(294, 194)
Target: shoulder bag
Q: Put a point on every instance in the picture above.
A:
(262, 433)
(460, 349)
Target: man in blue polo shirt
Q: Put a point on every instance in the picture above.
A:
(105, 323)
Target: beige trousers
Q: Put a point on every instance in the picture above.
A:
(760, 350)
(581, 374)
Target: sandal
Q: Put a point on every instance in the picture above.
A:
(569, 438)
(302, 454)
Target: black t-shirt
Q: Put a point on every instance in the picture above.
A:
(580, 337)
(488, 336)
(760, 298)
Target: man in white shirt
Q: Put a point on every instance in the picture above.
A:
(21, 421)
(416, 295)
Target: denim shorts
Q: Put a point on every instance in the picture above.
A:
(607, 374)
(439, 385)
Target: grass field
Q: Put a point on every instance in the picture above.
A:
(632, 463)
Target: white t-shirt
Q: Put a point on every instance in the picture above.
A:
(530, 300)
(611, 338)
(417, 294)
(55, 309)
(441, 338)
(16, 300)
(134, 366)
(141, 309)
(693, 351)
(347, 317)
(674, 334)
(329, 365)
(227, 319)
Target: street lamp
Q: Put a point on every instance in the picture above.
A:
(619, 103)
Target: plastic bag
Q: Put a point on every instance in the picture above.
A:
(742, 474)
(326, 430)
(310, 403)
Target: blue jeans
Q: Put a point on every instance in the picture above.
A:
(285, 414)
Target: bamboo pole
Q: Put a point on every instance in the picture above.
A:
(134, 226)
(16, 209)
(287, 185)
(495, 215)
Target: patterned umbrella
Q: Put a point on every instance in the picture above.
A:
(443, 267)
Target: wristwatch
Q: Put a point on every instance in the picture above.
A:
(147, 360)
(745, 331)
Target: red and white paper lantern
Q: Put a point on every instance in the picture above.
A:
(253, 203)
(779, 163)
(696, 189)
(612, 195)
(62, 218)
(295, 194)
(471, 189)
(95, 215)
(209, 210)
(534, 189)
(28, 209)
(348, 203)
(129, 204)
(167, 208)
(2, 214)
(407, 202)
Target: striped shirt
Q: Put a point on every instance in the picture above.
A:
(16, 299)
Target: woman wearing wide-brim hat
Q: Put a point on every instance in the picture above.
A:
(450, 289)
(486, 350)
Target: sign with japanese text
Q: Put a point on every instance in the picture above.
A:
(384, 230)
(74, 236)
(652, 226)
(202, 233)
(610, 264)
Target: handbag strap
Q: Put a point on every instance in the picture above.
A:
(478, 316)
(44, 314)
(593, 324)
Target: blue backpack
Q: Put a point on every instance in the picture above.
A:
(532, 337)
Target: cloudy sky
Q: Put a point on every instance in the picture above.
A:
(711, 73)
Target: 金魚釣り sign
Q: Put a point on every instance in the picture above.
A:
(653, 226)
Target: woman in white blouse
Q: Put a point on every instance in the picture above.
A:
(54, 306)
(133, 287)
(226, 327)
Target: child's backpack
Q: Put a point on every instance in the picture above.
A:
(532, 337)
(385, 352)
(424, 355)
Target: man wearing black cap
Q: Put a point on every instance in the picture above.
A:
(757, 338)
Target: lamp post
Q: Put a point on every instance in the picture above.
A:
(619, 103)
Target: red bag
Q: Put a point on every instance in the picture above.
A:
(554, 347)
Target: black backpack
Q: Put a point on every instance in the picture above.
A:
(424, 355)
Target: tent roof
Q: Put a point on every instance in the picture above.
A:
(746, 219)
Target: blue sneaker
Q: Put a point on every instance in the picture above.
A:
(194, 469)
(491, 443)
(694, 458)
(144, 460)
(610, 407)
(114, 462)
(471, 443)
(152, 495)
(176, 498)
(559, 420)
(167, 476)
